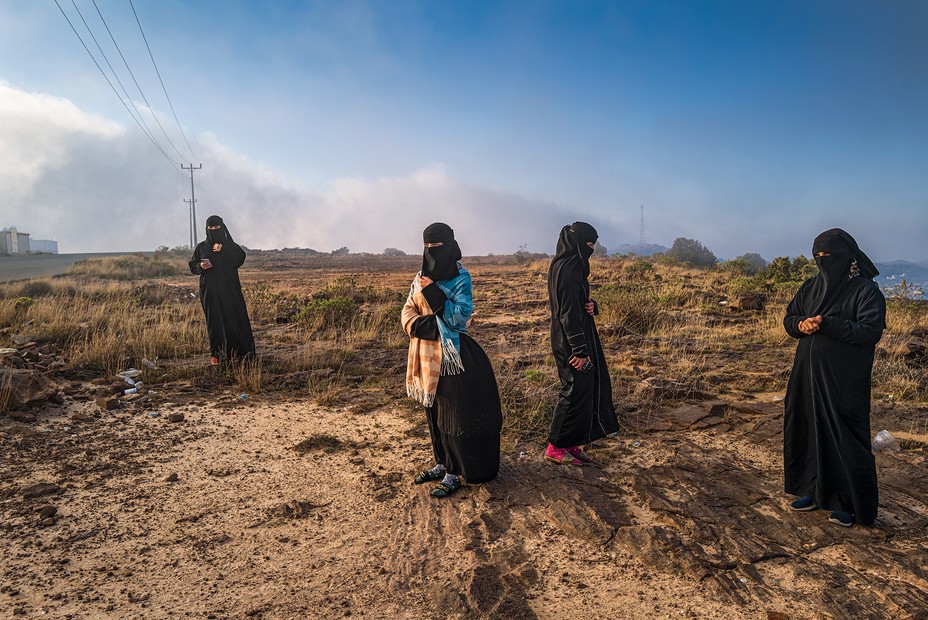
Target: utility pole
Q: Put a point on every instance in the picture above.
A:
(193, 206)
(641, 243)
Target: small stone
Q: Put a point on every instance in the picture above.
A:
(82, 417)
(171, 478)
(108, 403)
(39, 489)
(176, 417)
(47, 522)
(47, 512)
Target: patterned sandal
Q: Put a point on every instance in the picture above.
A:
(443, 489)
(561, 456)
(427, 475)
(578, 453)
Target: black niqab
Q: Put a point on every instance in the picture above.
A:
(835, 270)
(218, 235)
(440, 263)
(572, 246)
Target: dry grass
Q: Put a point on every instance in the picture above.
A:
(326, 331)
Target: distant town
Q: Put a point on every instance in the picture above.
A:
(14, 243)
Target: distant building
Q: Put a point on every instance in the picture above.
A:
(14, 242)
(47, 246)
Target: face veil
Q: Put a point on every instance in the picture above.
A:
(572, 242)
(845, 260)
(440, 263)
(219, 235)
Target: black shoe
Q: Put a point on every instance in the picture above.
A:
(427, 476)
(444, 489)
(844, 519)
(803, 504)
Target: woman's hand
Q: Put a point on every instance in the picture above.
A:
(810, 325)
(425, 281)
(577, 362)
(205, 264)
(217, 247)
(590, 307)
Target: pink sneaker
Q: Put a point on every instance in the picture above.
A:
(578, 453)
(560, 455)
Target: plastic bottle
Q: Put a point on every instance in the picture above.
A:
(884, 440)
(131, 391)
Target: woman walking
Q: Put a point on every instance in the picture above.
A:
(584, 410)
(447, 371)
(838, 317)
(216, 260)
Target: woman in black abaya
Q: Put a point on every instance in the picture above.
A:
(216, 260)
(448, 372)
(838, 317)
(584, 410)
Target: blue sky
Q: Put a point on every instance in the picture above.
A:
(750, 126)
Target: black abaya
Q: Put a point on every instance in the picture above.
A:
(584, 411)
(466, 417)
(221, 297)
(826, 433)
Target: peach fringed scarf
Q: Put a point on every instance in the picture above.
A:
(424, 362)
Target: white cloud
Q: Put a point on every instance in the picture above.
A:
(96, 185)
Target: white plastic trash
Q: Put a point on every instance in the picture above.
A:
(884, 440)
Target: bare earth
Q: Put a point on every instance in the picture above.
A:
(282, 508)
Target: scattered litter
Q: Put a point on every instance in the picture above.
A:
(636, 443)
(131, 373)
(133, 390)
(723, 303)
(778, 399)
(149, 364)
(522, 456)
(244, 396)
(743, 580)
(884, 440)
(153, 414)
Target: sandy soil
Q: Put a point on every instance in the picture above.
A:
(275, 507)
(288, 510)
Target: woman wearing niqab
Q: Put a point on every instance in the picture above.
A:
(584, 411)
(447, 371)
(216, 260)
(838, 317)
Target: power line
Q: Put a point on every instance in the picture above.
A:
(132, 75)
(105, 77)
(144, 38)
(141, 119)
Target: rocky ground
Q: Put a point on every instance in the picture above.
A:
(180, 501)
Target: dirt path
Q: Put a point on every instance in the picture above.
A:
(287, 510)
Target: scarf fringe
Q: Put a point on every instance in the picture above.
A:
(419, 394)
(451, 363)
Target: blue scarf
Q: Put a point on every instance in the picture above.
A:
(453, 321)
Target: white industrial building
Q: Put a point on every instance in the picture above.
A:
(14, 242)
(45, 246)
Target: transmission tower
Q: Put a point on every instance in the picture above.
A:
(193, 205)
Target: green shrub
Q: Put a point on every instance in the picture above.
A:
(335, 312)
(637, 308)
(691, 251)
(639, 268)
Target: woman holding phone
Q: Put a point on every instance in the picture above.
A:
(216, 260)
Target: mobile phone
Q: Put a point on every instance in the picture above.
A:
(587, 366)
